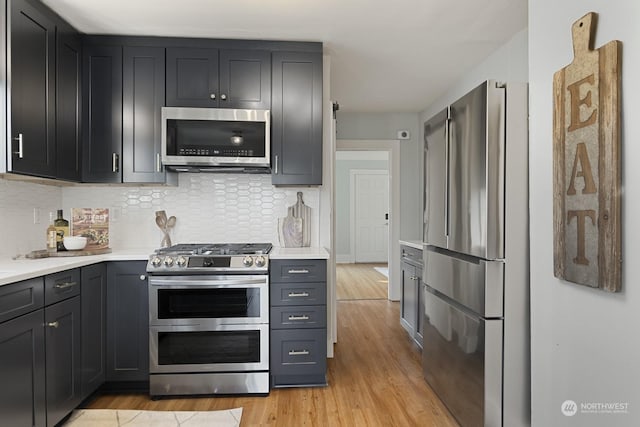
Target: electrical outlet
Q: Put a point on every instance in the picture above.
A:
(36, 215)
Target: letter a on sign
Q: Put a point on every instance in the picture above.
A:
(586, 162)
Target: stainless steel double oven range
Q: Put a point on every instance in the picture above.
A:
(209, 319)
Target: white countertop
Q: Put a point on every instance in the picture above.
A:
(22, 269)
(298, 253)
(417, 244)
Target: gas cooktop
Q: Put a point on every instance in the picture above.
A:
(210, 258)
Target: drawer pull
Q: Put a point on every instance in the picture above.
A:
(298, 294)
(65, 285)
(53, 324)
(303, 317)
(301, 271)
(298, 352)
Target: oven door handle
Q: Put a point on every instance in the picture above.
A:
(210, 281)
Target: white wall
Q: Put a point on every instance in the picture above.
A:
(384, 126)
(585, 342)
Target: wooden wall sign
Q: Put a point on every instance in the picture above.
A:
(586, 162)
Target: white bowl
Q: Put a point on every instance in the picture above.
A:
(74, 243)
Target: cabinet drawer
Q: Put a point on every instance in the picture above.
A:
(301, 270)
(20, 298)
(299, 352)
(411, 255)
(298, 293)
(311, 316)
(62, 285)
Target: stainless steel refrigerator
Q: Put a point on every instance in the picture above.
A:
(476, 268)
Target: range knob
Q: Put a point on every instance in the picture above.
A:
(168, 261)
(261, 261)
(247, 261)
(181, 261)
(156, 261)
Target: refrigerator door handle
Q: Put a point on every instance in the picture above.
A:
(447, 123)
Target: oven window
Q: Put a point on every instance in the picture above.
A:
(208, 303)
(186, 348)
(216, 138)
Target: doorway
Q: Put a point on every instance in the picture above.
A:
(367, 169)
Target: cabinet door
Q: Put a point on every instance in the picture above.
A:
(408, 299)
(102, 110)
(22, 402)
(296, 108)
(192, 77)
(93, 311)
(127, 322)
(62, 346)
(245, 79)
(143, 98)
(32, 90)
(68, 77)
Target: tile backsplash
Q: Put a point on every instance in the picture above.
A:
(208, 207)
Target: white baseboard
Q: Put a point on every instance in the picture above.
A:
(345, 259)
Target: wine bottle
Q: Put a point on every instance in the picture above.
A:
(51, 234)
(62, 229)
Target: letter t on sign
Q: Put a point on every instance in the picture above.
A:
(586, 162)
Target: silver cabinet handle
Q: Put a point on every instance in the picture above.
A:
(298, 352)
(19, 152)
(298, 294)
(212, 96)
(447, 135)
(53, 324)
(64, 285)
(301, 271)
(223, 97)
(115, 162)
(276, 164)
(158, 163)
(303, 317)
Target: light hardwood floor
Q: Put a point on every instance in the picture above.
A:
(375, 379)
(360, 281)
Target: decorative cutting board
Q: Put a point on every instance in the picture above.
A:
(83, 252)
(290, 232)
(586, 162)
(302, 211)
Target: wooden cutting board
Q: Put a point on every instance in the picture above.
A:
(84, 252)
(290, 232)
(586, 162)
(302, 211)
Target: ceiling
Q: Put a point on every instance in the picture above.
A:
(386, 56)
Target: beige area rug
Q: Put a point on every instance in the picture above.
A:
(135, 418)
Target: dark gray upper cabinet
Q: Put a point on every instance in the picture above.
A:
(68, 82)
(127, 322)
(93, 295)
(296, 118)
(143, 98)
(208, 77)
(102, 114)
(32, 90)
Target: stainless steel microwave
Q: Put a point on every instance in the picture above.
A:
(216, 139)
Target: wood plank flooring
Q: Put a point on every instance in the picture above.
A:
(375, 379)
(360, 281)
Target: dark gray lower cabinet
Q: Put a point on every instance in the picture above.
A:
(298, 323)
(93, 294)
(22, 369)
(411, 293)
(62, 347)
(127, 321)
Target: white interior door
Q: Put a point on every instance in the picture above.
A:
(370, 212)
